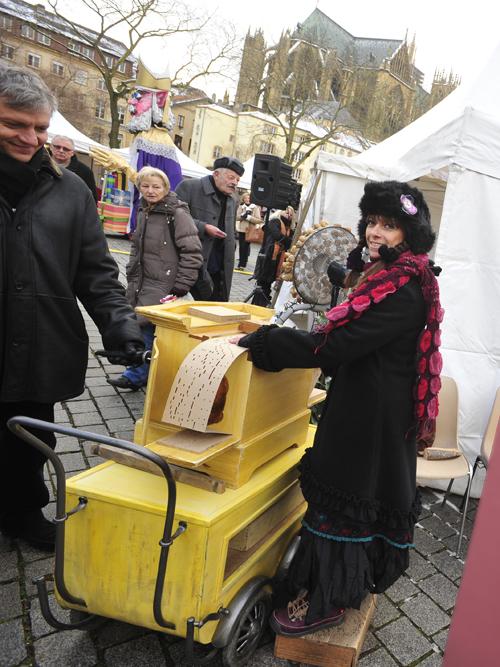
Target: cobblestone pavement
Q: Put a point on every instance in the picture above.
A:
(409, 628)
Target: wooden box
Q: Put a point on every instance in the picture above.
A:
(335, 647)
(264, 414)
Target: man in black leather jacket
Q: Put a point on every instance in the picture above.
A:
(52, 252)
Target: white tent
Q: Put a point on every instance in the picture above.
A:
(61, 126)
(452, 153)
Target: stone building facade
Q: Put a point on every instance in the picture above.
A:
(31, 36)
(375, 80)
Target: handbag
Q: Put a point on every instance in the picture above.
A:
(254, 234)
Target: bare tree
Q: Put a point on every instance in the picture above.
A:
(133, 22)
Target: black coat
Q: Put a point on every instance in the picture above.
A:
(53, 252)
(266, 266)
(85, 174)
(363, 447)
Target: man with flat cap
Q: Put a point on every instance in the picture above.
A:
(213, 203)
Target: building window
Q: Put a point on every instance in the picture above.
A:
(27, 31)
(6, 22)
(34, 60)
(269, 129)
(87, 51)
(178, 141)
(100, 108)
(195, 147)
(231, 138)
(197, 130)
(121, 114)
(266, 147)
(122, 67)
(217, 152)
(180, 121)
(57, 68)
(7, 52)
(43, 38)
(81, 77)
(110, 61)
(297, 174)
(101, 84)
(96, 134)
(120, 139)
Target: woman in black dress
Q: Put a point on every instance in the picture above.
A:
(381, 349)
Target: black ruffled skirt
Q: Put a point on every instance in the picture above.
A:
(349, 547)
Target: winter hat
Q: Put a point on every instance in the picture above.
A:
(404, 204)
(232, 163)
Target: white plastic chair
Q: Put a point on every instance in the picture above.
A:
(447, 437)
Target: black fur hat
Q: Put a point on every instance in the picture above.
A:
(403, 203)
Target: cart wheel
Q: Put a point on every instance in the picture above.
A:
(248, 630)
(77, 616)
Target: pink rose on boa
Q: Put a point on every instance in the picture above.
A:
(425, 341)
(435, 363)
(338, 312)
(433, 408)
(435, 385)
(381, 291)
(360, 303)
(422, 389)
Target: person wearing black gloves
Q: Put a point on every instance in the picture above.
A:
(164, 259)
(278, 235)
(52, 252)
(381, 348)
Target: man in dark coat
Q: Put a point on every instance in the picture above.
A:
(52, 252)
(213, 204)
(63, 152)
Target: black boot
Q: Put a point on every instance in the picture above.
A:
(123, 383)
(32, 527)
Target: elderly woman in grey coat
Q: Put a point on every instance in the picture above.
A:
(165, 257)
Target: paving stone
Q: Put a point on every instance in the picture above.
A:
(10, 600)
(370, 643)
(419, 567)
(87, 418)
(114, 401)
(71, 648)
(37, 569)
(143, 652)
(440, 638)
(81, 397)
(114, 633)
(441, 590)
(451, 543)
(114, 413)
(385, 612)
(92, 382)
(77, 407)
(437, 527)
(101, 429)
(425, 543)
(67, 444)
(119, 425)
(401, 590)
(264, 657)
(6, 544)
(92, 372)
(39, 626)
(434, 660)
(104, 390)
(12, 642)
(428, 495)
(177, 654)
(404, 641)
(73, 462)
(379, 658)
(8, 565)
(426, 614)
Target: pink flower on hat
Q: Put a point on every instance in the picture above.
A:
(361, 303)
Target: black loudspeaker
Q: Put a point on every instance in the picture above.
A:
(295, 193)
(271, 181)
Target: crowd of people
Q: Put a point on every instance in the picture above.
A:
(380, 347)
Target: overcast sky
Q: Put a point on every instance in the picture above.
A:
(447, 35)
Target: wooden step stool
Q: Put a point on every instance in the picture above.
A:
(335, 647)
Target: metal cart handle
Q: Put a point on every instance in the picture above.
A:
(18, 426)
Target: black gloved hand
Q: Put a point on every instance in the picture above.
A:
(131, 354)
(178, 292)
(336, 274)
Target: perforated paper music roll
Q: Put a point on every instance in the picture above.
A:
(194, 388)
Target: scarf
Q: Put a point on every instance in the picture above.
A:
(17, 178)
(429, 361)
